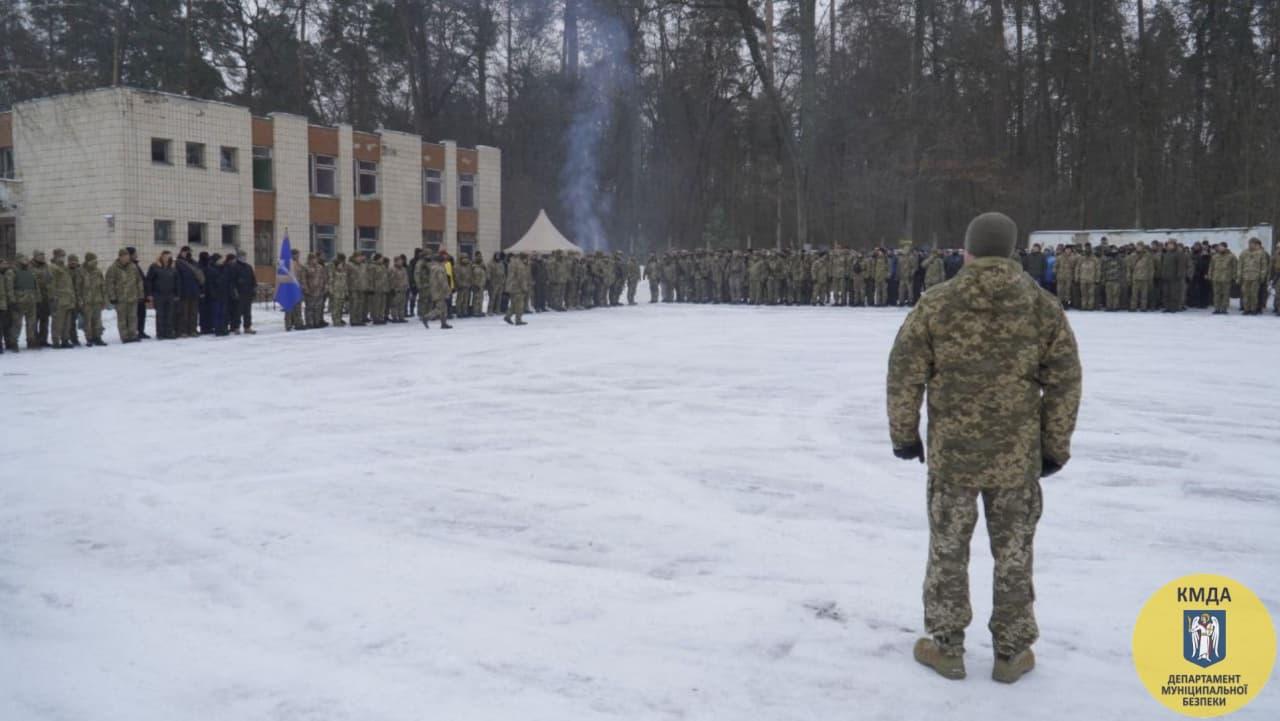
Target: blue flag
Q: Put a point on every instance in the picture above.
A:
(288, 292)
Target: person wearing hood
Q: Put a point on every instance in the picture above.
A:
(93, 298)
(995, 357)
(165, 286)
(190, 288)
(125, 291)
(23, 294)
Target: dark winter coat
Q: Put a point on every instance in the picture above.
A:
(162, 281)
(190, 279)
(243, 281)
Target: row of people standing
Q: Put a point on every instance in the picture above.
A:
(53, 302)
(1165, 276)
(840, 277)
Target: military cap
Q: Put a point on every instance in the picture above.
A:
(123, 253)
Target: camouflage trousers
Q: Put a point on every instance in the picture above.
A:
(1249, 295)
(1140, 295)
(376, 302)
(906, 292)
(1088, 294)
(1114, 296)
(127, 320)
(516, 307)
(359, 314)
(93, 321)
(882, 292)
(1221, 295)
(1012, 514)
(337, 306)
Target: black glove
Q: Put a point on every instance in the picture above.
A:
(906, 453)
(113, 302)
(1048, 466)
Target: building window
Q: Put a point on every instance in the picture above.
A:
(367, 240)
(432, 193)
(466, 244)
(366, 178)
(231, 236)
(432, 240)
(324, 239)
(8, 240)
(466, 190)
(228, 160)
(324, 176)
(160, 151)
(195, 155)
(262, 168)
(197, 234)
(6, 164)
(264, 243)
(164, 232)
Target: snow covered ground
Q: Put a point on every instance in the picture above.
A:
(661, 512)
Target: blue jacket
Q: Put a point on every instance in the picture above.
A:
(1050, 268)
(188, 281)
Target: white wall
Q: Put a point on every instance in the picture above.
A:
(69, 154)
(346, 191)
(449, 197)
(289, 166)
(178, 192)
(489, 197)
(400, 187)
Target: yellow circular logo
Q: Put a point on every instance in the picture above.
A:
(1204, 645)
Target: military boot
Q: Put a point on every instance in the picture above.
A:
(1010, 669)
(424, 323)
(444, 325)
(929, 653)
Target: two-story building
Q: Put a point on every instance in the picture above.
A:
(103, 169)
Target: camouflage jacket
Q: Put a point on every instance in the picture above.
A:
(6, 291)
(998, 361)
(62, 290)
(934, 271)
(124, 284)
(399, 277)
(437, 284)
(92, 285)
(1144, 267)
(518, 277)
(1254, 265)
(1113, 270)
(1088, 269)
(1222, 267)
(497, 277)
(357, 277)
(337, 277)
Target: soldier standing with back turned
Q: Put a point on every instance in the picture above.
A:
(998, 361)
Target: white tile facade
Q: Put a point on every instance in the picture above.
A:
(85, 156)
(68, 154)
(489, 200)
(400, 187)
(289, 165)
(450, 196)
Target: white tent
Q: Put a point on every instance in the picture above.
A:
(542, 237)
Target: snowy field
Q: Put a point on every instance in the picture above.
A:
(660, 512)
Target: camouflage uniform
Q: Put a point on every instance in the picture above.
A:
(379, 284)
(1254, 267)
(908, 262)
(317, 290)
(1066, 276)
(821, 271)
(1142, 271)
(436, 281)
(497, 286)
(1222, 272)
(1088, 272)
(22, 302)
(358, 289)
(934, 270)
(398, 279)
(653, 274)
(93, 297)
(480, 281)
(999, 363)
(518, 281)
(62, 300)
(857, 278)
(632, 274)
(293, 317)
(124, 290)
(44, 306)
(338, 278)
(1113, 273)
(880, 274)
